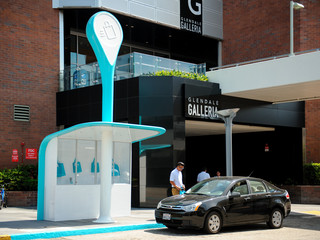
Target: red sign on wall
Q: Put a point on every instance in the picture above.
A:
(14, 151)
(31, 153)
(15, 158)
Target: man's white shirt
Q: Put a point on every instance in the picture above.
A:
(176, 177)
(202, 176)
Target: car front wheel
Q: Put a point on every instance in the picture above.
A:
(275, 218)
(213, 223)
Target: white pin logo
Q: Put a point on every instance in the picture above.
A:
(109, 33)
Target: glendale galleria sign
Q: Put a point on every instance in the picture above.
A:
(200, 107)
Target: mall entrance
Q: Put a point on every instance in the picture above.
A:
(274, 154)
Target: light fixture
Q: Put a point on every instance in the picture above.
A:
(227, 112)
(227, 115)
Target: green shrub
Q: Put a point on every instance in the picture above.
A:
(20, 178)
(311, 174)
(196, 76)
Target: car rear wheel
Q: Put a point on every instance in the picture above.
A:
(213, 223)
(275, 218)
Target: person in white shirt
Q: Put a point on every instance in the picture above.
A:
(176, 179)
(203, 175)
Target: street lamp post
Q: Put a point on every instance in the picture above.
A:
(296, 6)
(227, 115)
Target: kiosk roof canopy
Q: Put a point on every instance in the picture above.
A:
(121, 132)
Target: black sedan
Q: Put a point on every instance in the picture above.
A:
(225, 201)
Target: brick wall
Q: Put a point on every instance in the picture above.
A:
(255, 29)
(312, 121)
(258, 29)
(22, 198)
(309, 25)
(29, 66)
(304, 194)
(310, 39)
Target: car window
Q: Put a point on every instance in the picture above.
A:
(257, 186)
(211, 187)
(240, 187)
(271, 187)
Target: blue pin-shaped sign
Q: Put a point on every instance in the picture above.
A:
(105, 35)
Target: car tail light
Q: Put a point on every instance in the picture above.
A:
(287, 196)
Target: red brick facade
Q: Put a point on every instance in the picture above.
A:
(260, 29)
(22, 198)
(29, 63)
(305, 194)
(310, 39)
(312, 118)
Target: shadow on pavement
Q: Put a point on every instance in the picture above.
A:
(294, 220)
(303, 221)
(199, 232)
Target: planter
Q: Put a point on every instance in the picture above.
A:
(22, 198)
(305, 194)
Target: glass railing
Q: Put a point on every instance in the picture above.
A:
(127, 66)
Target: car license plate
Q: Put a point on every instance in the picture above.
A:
(166, 216)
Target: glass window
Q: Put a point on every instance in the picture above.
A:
(121, 163)
(77, 162)
(257, 186)
(211, 187)
(240, 187)
(271, 187)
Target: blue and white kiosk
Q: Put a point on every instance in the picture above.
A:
(85, 170)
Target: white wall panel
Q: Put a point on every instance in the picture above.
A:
(166, 12)
(211, 30)
(213, 18)
(215, 5)
(117, 6)
(151, 3)
(168, 18)
(169, 5)
(142, 11)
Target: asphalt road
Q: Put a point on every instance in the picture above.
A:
(298, 226)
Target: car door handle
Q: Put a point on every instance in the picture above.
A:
(247, 198)
(268, 195)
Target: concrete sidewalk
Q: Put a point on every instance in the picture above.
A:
(21, 223)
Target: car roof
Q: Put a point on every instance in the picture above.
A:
(237, 178)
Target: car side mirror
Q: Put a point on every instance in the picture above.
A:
(234, 195)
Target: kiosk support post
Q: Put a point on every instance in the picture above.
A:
(106, 178)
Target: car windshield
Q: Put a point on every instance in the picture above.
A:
(212, 187)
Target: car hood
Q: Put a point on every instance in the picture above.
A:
(185, 199)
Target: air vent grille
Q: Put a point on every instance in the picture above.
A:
(21, 113)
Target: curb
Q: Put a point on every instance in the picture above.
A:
(5, 237)
(77, 232)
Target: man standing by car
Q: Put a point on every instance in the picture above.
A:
(203, 175)
(176, 179)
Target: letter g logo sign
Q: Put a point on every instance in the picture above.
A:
(197, 11)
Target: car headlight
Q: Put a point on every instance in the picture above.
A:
(159, 205)
(192, 208)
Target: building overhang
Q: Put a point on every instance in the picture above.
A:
(285, 79)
